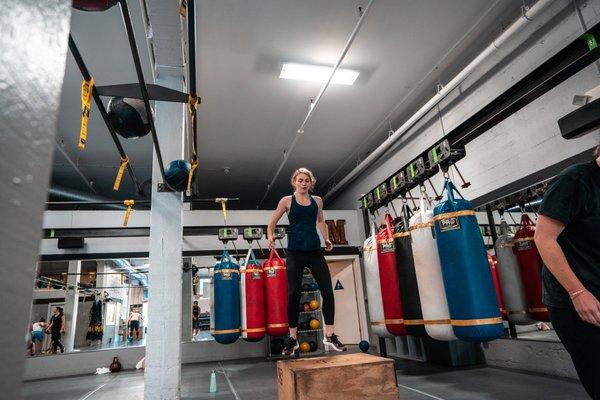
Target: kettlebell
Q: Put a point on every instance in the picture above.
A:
(115, 366)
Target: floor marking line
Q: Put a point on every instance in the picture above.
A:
(95, 390)
(418, 391)
(233, 391)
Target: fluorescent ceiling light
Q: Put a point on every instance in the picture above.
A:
(317, 73)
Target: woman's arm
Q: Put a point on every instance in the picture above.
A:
(63, 329)
(322, 225)
(546, 234)
(281, 209)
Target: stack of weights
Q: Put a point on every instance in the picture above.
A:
(429, 274)
(409, 292)
(253, 299)
(496, 280)
(389, 280)
(510, 278)
(474, 310)
(225, 316)
(530, 263)
(276, 295)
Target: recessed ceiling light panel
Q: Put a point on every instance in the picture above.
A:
(317, 73)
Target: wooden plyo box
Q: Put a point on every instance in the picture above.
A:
(346, 376)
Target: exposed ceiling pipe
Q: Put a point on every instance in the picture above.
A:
(60, 148)
(528, 16)
(313, 104)
(128, 269)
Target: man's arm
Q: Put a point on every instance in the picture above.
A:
(322, 225)
(546, 234)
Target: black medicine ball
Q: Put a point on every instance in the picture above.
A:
(93, 5)
(177, 173)
(128, 117)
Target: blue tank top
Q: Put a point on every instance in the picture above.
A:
(302, 233)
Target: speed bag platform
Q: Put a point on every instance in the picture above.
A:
(225, 298)
(252, 308)
(389, 280)
(432, 293)
(409, 291)
(530, 264)
(276, 295)
(375, 304)
(513, 292)
(474, 311)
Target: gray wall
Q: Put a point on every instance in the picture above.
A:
(526, 142)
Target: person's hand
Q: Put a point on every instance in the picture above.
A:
(588, 308)
(271, 242)
(63, 331)
(328, 245)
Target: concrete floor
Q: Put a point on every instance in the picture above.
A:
(255, 379)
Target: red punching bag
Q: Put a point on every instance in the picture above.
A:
(388, 276)
(276, 295)
(252, 299)
(530, 265)
(496, 280)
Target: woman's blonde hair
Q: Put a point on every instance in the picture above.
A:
(304, 171)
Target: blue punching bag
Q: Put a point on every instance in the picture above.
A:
(474, 312)
(226, 300)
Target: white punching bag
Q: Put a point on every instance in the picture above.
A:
(375, 302)
(436, 315)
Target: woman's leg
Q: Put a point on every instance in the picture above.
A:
(294, 268)
(55, 342)
(320, 270)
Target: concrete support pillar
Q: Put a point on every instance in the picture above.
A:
(33, 55)
(186, 304)
(163, 343)
(72, 303)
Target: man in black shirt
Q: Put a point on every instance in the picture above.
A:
(568, 238)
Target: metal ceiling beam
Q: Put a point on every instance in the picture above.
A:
(86, 75)
(313, 104)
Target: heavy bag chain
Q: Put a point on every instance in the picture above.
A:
(193, 103)
(87, 86)
(119, 177)
(129, 204)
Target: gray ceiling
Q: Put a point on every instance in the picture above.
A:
(249, 116)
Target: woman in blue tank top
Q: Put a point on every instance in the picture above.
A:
(305, 213)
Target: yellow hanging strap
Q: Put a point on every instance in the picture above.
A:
(223, 202)
(129, 204)
(119, 177)
(182, 8)
(192, 103)
(86, 103)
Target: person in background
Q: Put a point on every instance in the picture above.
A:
(305, 213)
(195, 319)
(568, 239)
(57, 327)
(134, 323)
(37, 333)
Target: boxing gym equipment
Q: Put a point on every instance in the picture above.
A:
(225, 318)
(305, 287)
(313, 286)
(253, 299)
(94, 5)
(509, 273)
(363, 346)
(474, 312)
(176, 174)
(128, 117)
(115, 366)
(432, 295)
(313, 345)
(493, 263)
(375, 302)
(306, 307)
(277, 346)
(530, 264)
(304, 347)
(409, 292)
(276, 294)
(314, 305)
(389, 280)
(314, 324)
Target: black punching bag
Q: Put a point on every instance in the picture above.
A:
(411, 302)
